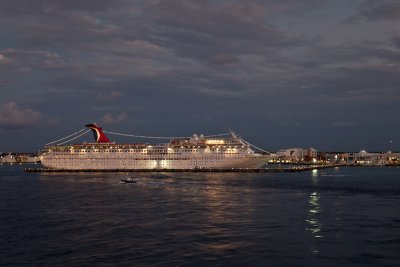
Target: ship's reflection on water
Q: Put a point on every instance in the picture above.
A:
(222, 226)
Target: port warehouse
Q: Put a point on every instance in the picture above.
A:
(290, 155)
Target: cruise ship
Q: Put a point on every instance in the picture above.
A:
(195, 152)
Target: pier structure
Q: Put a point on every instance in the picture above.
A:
(297, 168)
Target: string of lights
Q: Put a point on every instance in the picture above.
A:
(74, 138)
(258, 148)
(66, 137)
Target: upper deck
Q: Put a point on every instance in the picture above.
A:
(195, 142)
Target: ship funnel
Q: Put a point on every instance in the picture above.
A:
(99, 136)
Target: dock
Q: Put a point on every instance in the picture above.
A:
(301, 168)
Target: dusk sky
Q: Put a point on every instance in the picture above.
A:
(281, 73)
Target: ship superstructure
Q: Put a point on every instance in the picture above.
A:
(196, 152)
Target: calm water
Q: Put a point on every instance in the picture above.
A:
(350, 217)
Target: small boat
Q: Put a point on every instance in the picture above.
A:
(128, 180)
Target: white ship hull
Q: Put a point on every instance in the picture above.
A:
(128, 162)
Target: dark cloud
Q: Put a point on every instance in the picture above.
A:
(206, 30)
(223, 59)
(42, 7)
(218, 93)
(375, 10)
(109, 119)
(110, 96)
(26, 60)
(396, 41)
(343, 124)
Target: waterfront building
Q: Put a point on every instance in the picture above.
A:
(7, 158)
(297, 154)
(19, 158)
(374, 159)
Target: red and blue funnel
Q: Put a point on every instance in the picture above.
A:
(99, 136)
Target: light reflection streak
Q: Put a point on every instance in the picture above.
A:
(314, 225)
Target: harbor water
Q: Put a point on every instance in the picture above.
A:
(347, 216)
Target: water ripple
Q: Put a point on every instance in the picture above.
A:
(192, 219)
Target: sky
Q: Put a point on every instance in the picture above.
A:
(280, 73)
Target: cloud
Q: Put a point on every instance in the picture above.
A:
(343, 124)
(110, 96)
(376, 11)
(223, 59)
(25, 60)
(4, 60)
(13, 117)
(43, 7)
(179, 58)
(205, 30)
(218, 92)
(396, 41)
(109, 119)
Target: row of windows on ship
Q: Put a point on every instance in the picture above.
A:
(104, 161)
(106, 157)
(143, 162)
(143, 152)
(93, 149)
